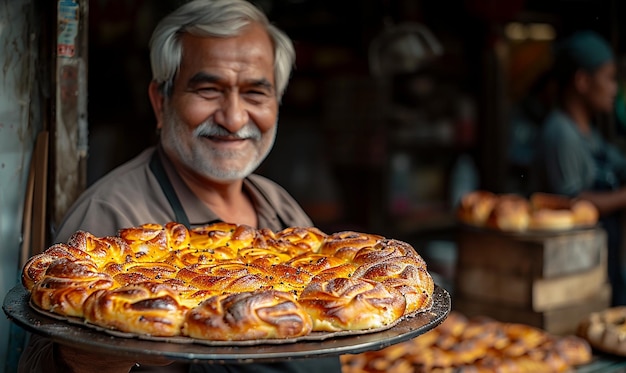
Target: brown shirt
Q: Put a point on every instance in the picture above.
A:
(130, 196)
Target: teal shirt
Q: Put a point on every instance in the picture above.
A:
(570, 162)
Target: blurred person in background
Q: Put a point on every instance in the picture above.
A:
(573, 158)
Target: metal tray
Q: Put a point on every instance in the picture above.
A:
(17, 308)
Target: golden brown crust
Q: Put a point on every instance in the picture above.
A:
(479, 344)
(351, 304)
(248, 316)
(345, 270)
(606, 330)
(514, 213)
(315, 263)
(551, 212)
(101, 249)
(35, 268)
(574, 350)
(308, 239)
(161, 272)
(383, 250)
(66, 285)
(510, 213)
(475, 207)
(347, 243)
(551, 220)
(585, 213)
(147, 308)
(407, 274)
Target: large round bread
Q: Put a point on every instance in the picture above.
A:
(230, 282)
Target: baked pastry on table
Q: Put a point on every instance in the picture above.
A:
(226, 282)
(475, 207)
(606, 330)
(510, 213)
(479, 344)
(514, 213)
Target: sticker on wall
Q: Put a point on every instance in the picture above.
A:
(68, 28)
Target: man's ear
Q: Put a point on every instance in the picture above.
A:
(157, 101)
(581, 81)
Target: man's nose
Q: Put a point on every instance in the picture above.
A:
(232, 113)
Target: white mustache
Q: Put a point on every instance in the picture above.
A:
(209, 128)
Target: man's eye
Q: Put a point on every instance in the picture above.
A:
(257, 92)
(207, 89)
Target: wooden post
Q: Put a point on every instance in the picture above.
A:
(69, 137)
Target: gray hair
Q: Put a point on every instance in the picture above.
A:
(213, 18)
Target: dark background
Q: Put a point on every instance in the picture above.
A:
(350, 148)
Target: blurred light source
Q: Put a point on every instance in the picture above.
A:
(541, 31)
(517, 31)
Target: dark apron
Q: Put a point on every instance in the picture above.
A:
(607, 179)
(157, 168)
(326, 365)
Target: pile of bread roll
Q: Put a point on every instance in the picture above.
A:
(606, 330)
(478, 344)
(515, 213)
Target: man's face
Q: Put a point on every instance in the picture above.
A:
(220, 121)
(602, 88)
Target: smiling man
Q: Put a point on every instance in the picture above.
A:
(218, 119)
(219, 71)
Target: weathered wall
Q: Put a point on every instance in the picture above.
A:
(69, 135)
(20, 121)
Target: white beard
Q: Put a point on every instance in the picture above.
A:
(195, 152)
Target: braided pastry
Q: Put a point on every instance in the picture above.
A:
(248, 315)
(351, 304)
(147, 308)
(405, 274)
(66, 285)
(230, 282)
(479, 344)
